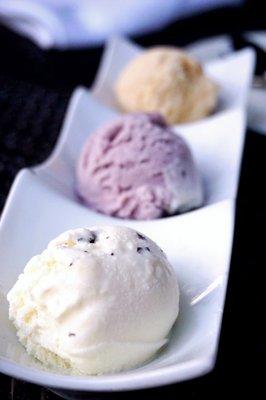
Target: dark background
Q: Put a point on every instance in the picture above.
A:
(35, 87)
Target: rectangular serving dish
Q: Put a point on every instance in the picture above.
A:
(42, 203)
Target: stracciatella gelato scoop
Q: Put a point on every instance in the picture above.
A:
(95, 301)
(169, 81)
(137, 167)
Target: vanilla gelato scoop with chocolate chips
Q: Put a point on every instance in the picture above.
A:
(95, 301)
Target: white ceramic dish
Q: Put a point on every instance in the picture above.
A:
(215, 47)
(42, 203)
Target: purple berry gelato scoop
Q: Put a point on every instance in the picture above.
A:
(136, 167)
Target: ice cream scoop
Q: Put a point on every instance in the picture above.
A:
(95, 301)
(169, 81)
(137, 167)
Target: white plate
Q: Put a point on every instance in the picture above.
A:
(215, 47)
(41, 204)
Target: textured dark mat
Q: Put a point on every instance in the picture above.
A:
(31, 117)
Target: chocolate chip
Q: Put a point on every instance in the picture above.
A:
(112, 254)
(107, 237)
(90, 239)
(85, 251)
(71, 264)
(141, 236)
(71, 334)
(142, 249)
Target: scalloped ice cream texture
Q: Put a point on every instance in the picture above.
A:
(97, 300)
(136, 167)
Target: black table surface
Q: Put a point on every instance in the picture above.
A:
(35, 87)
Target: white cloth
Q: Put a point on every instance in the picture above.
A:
(77, 23)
